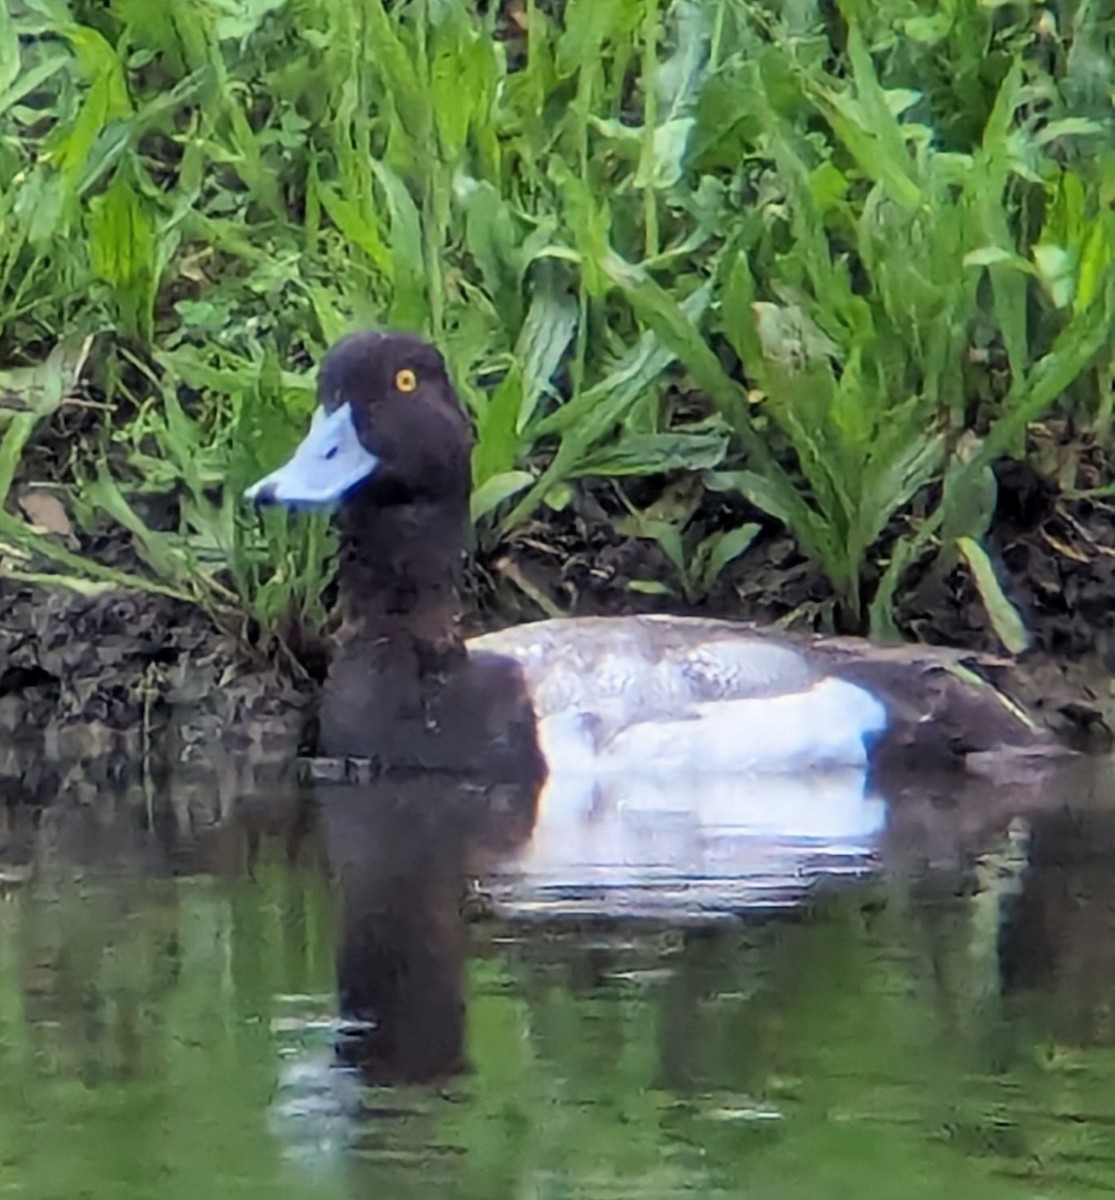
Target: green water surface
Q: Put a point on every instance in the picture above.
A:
(168, 1019)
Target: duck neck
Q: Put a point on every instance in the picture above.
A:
(399, 572)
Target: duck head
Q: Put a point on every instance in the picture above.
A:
(389, 448)
(389, 430)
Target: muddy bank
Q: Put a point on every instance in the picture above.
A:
(127, 683)
(142, 678)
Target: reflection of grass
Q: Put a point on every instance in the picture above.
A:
(856, 1031)
(899, 221)
(142, 1034)
(135, 1038)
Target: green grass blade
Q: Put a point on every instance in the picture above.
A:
(1005, 618)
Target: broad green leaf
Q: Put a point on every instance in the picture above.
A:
(9, 50)
(242, 20)
(588, 25)
(494, 240)
(869, 128)
(997, 132)
(359, 227)
(41, 389)
(599, 407)
(968, 500)
(1070, 127)
(737, 313)
(665, 533)
(584, 420)
(498, 441)
(893, 479)
(24, 83)
(654, 453)
(785, 506)
(663, 314)
(881, 610)
(928, 29)
(1056, 266)
(399, 71)
(106, 104)
(543, 341)
(12, 444)
(719, 549)
(122, 243)
(667, 152)
(1005, 618)
(496, 489)
(1097, 260)
(987, 256)
(461, 87)
(409, 305)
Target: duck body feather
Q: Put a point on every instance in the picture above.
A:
(646, 693)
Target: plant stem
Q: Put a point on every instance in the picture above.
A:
(650, 128)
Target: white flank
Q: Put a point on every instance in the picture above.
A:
(824, 726)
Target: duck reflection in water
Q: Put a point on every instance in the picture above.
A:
(404, 853)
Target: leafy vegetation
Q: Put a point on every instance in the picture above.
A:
(831, 263)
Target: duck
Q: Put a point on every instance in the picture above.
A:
(388, 453)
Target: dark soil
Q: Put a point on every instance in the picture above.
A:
(149, 679)
(133, 680)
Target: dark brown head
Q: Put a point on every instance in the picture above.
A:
(389, 430)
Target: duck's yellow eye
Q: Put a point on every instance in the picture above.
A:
(406, 380)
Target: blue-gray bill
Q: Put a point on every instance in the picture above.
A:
(328, 462)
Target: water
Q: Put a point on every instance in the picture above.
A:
(932, 1009)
